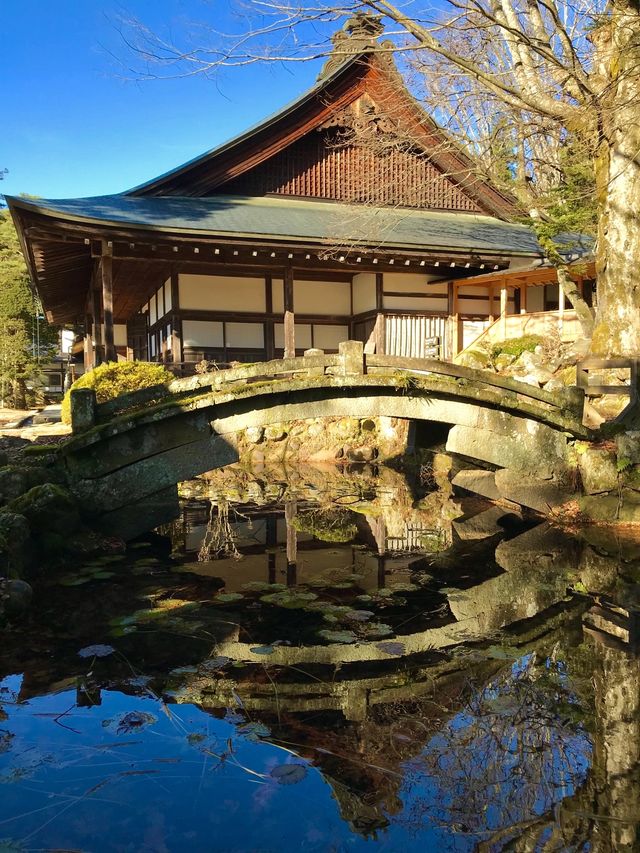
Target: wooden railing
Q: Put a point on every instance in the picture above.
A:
(350, 361)
(631, 390)
(535, 323)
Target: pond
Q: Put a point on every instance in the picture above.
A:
(329, 659)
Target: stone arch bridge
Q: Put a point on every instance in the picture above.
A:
(125, 453)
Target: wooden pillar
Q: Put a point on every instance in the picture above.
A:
(289, 317)
(106, 269)
(89, 354)
(269, 329)
(561, 307)
(454, 313)
(491, 298)
(176, 322)
(504, 303)
(96, 324)
(380, 330)
(523, 298)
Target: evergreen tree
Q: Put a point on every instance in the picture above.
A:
(26, 340)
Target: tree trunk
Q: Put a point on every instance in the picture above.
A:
(19, 394)
(574, 295)
(617, 326)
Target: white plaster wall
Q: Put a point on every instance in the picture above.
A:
(153, 311)
(478, 306)
(119, 334)
(408, 281)
(277, 295)
(535, 299)
(201, 333)
(414, 303)
(221, 293)
(302, 331)
(322, 297)
(364, 292)
(245, 335)
(167, 296)
(328, 337)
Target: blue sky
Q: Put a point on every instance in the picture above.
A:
(73, 126)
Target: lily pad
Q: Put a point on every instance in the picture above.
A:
(254, 730)
(256, 586)
(396, 649)
(215, 663)
(338, 636)
(134, 721)
(228, 597)
(360, 615)
(289, 774)
(100, 650)
(291, 599)
(262, 650)
(375, 630)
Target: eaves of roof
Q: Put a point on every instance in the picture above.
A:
(284, 219)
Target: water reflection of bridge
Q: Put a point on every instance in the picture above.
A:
(126, 450)
(416, 734)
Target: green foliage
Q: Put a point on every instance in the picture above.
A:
(333, 525)
(114, 378)
(516, 346)
(18, 312)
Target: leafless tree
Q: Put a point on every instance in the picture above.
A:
(567, 68)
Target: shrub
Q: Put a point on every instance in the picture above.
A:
(115, 378)
(516, 346)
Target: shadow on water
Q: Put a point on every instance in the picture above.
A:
(328, 659)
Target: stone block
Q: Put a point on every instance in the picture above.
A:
(541, 548)
(540, 495)
(628, 447)
(479, 482)
(141, 441)
(598, 469)
(482, 525)
(508, 442)
(130, 521)
(83, 409)
(145, 477)
(351, 358)
(612, 508)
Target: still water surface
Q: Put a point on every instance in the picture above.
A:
(325, 660)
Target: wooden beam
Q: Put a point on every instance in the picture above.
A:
(289, 316)
(106, 270)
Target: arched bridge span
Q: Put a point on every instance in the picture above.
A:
(133, 447)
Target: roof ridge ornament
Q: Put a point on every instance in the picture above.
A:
(359, 34)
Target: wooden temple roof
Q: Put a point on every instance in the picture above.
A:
(280, 219)
(282, 190)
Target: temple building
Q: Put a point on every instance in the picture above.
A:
(348, 214)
